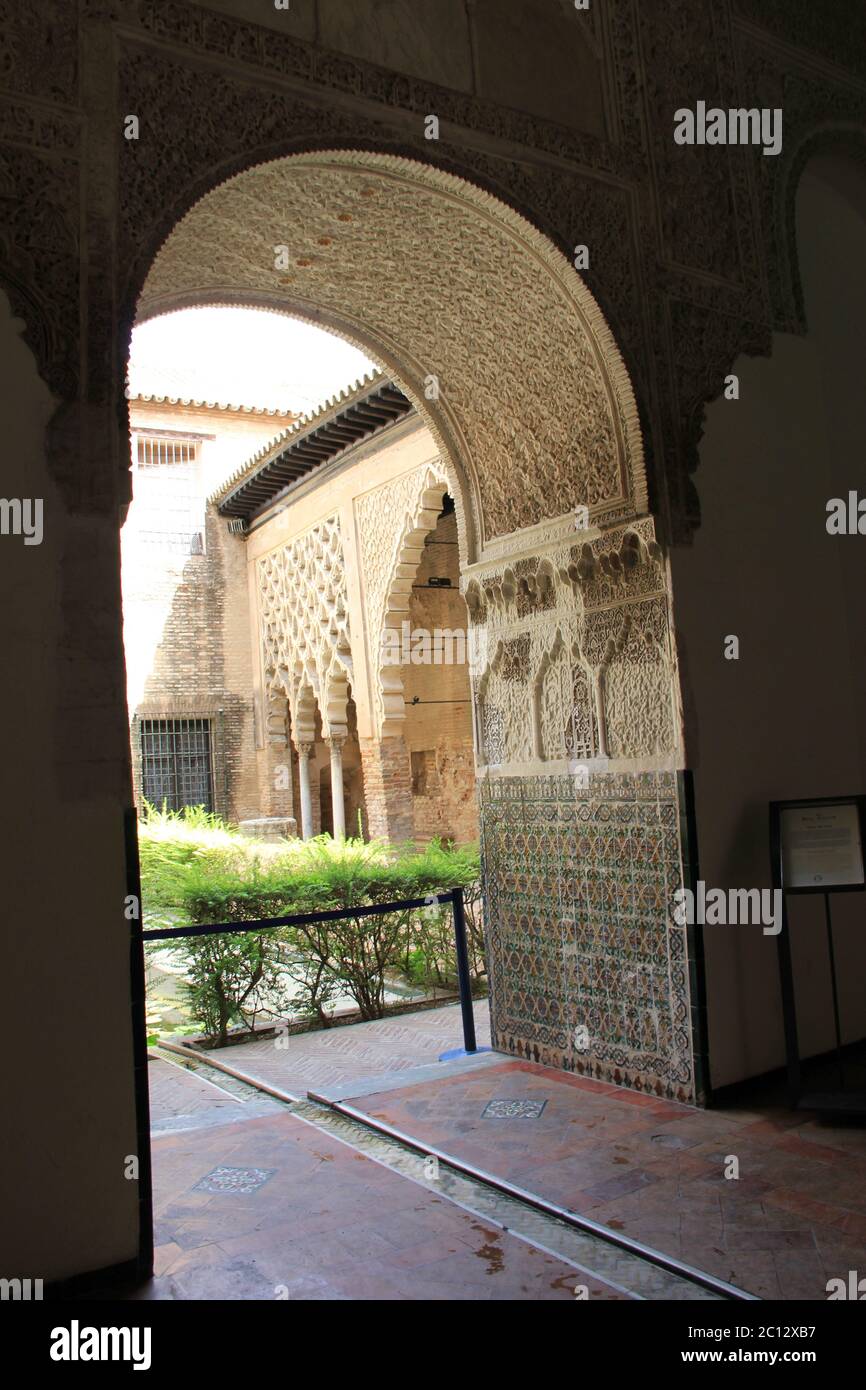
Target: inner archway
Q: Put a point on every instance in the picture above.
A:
(493, 337)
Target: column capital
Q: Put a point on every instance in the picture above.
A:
(335, 741)
(305, 748)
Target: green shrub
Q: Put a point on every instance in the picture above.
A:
(170, 843)
(200, 871)
(430, 956)
(231, 979)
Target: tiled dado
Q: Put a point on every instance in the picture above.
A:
(588, 971)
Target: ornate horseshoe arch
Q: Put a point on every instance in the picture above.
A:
(481, 320)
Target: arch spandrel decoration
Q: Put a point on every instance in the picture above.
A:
(436, 279)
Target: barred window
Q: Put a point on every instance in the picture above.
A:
(169, 509)
(177, 763)
(153, 451)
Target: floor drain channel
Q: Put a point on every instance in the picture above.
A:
(585, 1252)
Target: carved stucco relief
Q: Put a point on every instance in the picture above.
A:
(580, 658)
(504, 713)
(530, 382)
(567, 715)
(222, 92)
(304, 617)
(40, 248)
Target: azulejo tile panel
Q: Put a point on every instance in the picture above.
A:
(588, 970)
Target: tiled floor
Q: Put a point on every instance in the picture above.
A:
(794, 1218)
(326, 1221)
(272, 1208)
(331, 1056)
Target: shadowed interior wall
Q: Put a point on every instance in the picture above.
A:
(67, 1204)
(788, 719)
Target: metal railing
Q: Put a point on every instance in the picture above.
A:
(336, 914)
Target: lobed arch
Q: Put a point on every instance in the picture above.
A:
(336, 692)
(302, 708)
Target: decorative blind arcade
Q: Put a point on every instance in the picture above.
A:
(176, 762)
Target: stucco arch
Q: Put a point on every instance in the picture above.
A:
(423, 504)
(482, 321)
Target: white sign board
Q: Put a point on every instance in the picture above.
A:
(821, 846)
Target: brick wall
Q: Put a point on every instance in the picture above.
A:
(202, 665)
(186, 614)
(387, 789)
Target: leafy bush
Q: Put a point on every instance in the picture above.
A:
(229, 979)
(430, 959)
(198, 870)
(171, 842)
(232, 978)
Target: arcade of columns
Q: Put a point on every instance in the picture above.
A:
(326, 597)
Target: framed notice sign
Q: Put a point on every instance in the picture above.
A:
(821, 845)
(816, 846)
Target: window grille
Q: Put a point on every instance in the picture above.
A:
(169, 509)
(177, 762)
(152, 452)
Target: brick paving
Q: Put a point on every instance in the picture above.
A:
(335, 1056)
(794, 1218)
(175, 1091)
(655, 1170)
(326, 1222)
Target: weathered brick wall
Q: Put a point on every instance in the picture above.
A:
(187, 619)
(202, 667)
(388, 789)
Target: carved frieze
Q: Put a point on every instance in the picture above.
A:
(592, 659)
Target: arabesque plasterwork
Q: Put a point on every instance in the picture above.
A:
(472, 351)
(303, 613)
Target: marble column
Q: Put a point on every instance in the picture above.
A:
(305, 751)
(338, 808)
